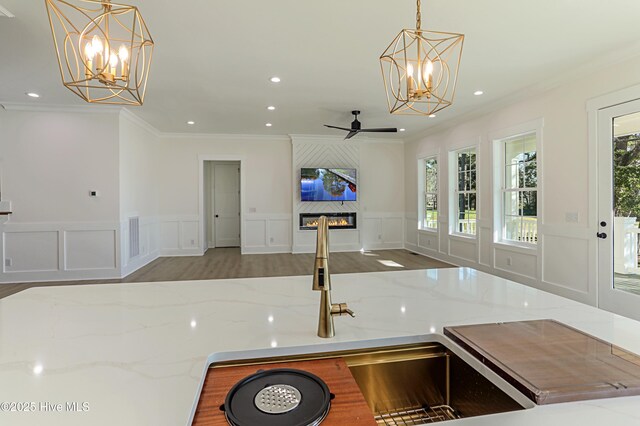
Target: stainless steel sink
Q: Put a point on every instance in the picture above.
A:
(411, 383)
(425, 383)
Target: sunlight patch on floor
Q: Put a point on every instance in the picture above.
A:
(391, 263)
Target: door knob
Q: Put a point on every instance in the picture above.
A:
(217, 216)
(602, 235)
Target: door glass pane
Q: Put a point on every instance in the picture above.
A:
(626, 202)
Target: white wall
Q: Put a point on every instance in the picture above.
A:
(266, 190)
(138, 185)
(51, 160)
(565, 260)
(380, 204)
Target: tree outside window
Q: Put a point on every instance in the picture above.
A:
(465, 193)
(430, 217)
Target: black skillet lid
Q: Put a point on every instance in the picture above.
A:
(278, 397)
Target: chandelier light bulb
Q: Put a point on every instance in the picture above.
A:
(428, 69)
(409, 70)
(123, 53)
(89, 52)
(113, 62)
(96, 41)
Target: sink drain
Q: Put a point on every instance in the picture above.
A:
(277, 399)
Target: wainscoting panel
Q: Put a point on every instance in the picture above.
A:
(256, 233)
(516, 262)
(90, 250)
(170, 235)
(31, 251)
(149, 251)
(60, 251)
(189, 234)
(179, 236)
(428, 240)
(563, 258)
(280, 233)
(267, 233)
(486, 239)
(463, 249)
(391, 231)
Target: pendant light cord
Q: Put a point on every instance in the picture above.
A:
(418, 17)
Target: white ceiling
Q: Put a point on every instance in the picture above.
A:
(214, 58)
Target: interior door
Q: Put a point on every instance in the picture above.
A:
(619, 209)
(226, 196)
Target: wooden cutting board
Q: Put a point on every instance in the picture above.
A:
(551, 362)
(347, 408)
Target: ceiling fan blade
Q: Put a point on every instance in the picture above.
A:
(352, 133)
(386, 130)
(339, 128)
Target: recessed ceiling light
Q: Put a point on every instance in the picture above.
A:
(33, 95)
(432, 116)
(478, 92)
(275, 79)
(402, 130)
(191, 122)
(271, 107)
(268, 124)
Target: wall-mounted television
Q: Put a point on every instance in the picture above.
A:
(319, 184)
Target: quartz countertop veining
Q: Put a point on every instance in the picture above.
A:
(135, 354)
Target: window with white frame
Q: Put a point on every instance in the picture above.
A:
(519, 188)
(464, 196)
(430, 210)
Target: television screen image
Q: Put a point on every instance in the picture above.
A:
(328, 184)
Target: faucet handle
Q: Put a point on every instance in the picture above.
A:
(341, 309)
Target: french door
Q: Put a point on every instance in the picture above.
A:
(619, 209)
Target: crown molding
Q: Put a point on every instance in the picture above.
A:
(615, 57)
(224, 136)
(84, 109)
(125, 113)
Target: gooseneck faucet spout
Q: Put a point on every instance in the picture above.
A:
(322, 283)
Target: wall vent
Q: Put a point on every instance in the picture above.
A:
(4, 13)
(134, 237)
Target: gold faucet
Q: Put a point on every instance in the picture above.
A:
(322, 283)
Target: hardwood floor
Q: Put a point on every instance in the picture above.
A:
(229, 263)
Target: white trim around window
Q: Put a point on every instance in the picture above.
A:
(429, 201)
(523, 237)
(463, 185)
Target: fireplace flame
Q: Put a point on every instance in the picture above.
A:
(332, 222)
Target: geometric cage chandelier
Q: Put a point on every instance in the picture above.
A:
(104, 50)
(420, 70)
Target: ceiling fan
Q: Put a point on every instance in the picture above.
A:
(356, 127)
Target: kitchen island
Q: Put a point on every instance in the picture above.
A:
(136, 354)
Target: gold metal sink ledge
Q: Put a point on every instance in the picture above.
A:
(411, 380)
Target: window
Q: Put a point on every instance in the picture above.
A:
(519, 189)
(465, 192)
(430, 213)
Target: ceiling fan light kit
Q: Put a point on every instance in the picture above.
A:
(104, 50)
(420, 70)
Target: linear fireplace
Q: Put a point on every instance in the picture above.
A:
(336, 220)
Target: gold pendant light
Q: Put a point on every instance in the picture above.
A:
(104, 50)
(420, 69)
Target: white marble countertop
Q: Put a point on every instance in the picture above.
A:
(136, 353)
